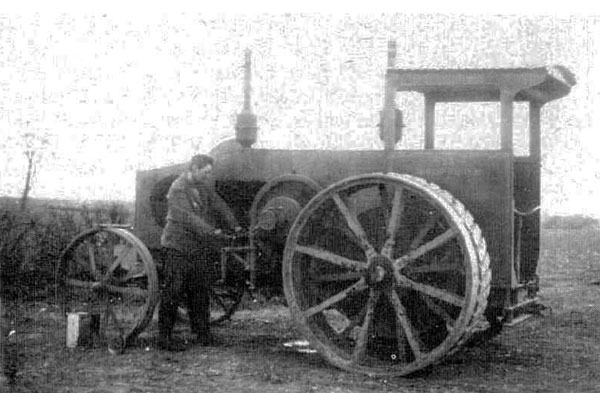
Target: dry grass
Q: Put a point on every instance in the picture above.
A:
(31, 242)
(557, 353)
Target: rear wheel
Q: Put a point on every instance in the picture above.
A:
(385, 274)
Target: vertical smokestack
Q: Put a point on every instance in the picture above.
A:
(247, 79)
(246, 125)
(391, 60)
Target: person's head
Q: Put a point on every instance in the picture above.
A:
(200, 168)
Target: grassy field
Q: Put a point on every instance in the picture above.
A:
(558, 352)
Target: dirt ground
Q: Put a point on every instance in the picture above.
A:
(559, 352)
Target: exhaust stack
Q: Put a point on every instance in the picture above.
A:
(246, 124)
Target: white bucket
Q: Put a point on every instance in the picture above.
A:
(75, 323)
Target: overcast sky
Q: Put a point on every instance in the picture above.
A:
(113, 93)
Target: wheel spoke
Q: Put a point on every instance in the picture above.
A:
(425, 248)
(80, 283)
(105, 316)
(337, 277)
(394, 222)
(436, 266)
(118, 324)
(135, 291)
(135, 270)
(119, 260)
(354, 225)
(90, 249)
(429, 224)
(80, 266)
(434, 292)
(360, 285)
(409, 333)
(363, 335)
(332, 258)
(355, 321)
(240, 259)
(384, 196)
(439, 311)
(401, 342)
(132, 274)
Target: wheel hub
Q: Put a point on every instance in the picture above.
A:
(380, 272)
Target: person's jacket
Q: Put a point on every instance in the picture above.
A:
(195, 212)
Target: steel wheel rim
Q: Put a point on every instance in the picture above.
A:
(309, 314)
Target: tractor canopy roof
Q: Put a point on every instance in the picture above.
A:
(542, 84)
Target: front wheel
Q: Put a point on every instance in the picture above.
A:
(385, 274)
(109, 273)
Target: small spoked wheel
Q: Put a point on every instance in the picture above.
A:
(224, 301)
(385, 274)
(226, 294)
(108, 273)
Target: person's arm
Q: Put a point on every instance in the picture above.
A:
(223, 209)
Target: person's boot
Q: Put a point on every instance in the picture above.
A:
(116, 346)
(200, 324)
(168, 343)
(206, 339)
(172, 344)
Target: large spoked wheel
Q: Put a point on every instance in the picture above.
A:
(109, 273)
(385, 274)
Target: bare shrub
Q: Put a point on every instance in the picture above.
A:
(13, 235)
(576, 221)
(31, 243)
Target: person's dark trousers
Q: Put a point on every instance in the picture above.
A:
(186, 280)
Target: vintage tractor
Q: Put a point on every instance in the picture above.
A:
(389, 259)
